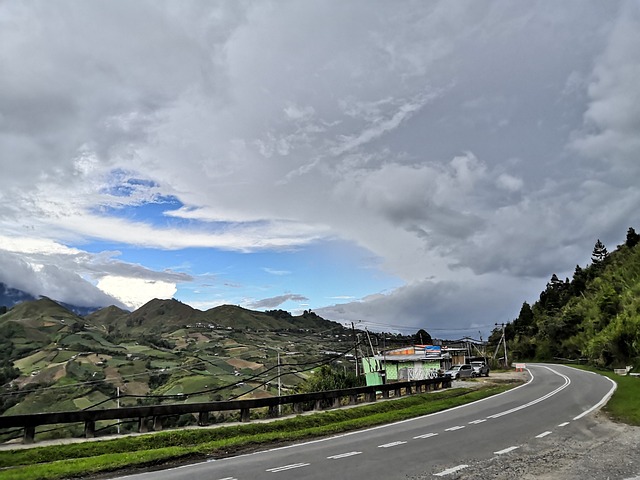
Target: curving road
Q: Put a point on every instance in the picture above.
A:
(438, 445)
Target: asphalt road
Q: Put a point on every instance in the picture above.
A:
(438, 445)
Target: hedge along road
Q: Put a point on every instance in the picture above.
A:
(556, 398)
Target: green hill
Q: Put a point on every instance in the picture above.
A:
(32, 325)
(594, 317)
(52, 359)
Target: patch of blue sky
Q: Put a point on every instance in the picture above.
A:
(325, 273)
(123, 184)
(154, 213)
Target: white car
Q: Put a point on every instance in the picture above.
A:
(460, 371)
(480, 368)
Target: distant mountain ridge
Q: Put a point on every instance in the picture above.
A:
(10, 297)
(157, 316)
(52, 359)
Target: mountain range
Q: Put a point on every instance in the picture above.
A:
(10, 296)
(53, 359)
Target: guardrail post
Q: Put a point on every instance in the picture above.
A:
(297, 407)
(353, 399)
(142, 425)
(317, 405)
(29, 434)
(385, 394)
(203, 418)
(336, 402)
(397, 392)
(273, 411)
(157, 423)
(371, 396)
(245, 414)
(89, 429)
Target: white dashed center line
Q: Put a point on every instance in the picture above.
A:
(287, 467)
(506, 450)
(392, 444)
(426, 435)
(475, 422)
(564, 424)
(344, 455)
(449, 471)
(543, 434)
(452, 429)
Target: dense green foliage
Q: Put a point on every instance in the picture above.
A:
(328, 378)
(593, 318)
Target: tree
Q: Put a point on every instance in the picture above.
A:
(600, 253)
(579, 281)
(632, 238)
(422, 337)
(524, 324)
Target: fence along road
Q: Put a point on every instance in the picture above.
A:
(556, 400)
(154, 414)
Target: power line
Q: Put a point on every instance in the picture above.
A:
(409, 328)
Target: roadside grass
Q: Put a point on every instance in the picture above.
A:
(624, 405)
(90, 458)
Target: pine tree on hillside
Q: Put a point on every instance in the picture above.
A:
(579, 281)
(632, 238)
(600, 253)
(525, 323)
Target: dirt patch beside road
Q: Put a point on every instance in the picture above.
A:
(593, 448)
(510, 376)
(597, 449)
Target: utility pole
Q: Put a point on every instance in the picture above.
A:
(279, 386)
(355, 349)
(118, 404)
(384, 355)
(503, 339)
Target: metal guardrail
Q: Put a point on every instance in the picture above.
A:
(156, 412)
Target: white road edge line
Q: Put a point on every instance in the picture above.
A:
(567, 382)
(604, 400)
(544, 434)
(506, 450)
(449, 471)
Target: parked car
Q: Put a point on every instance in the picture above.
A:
(460, 371)
(480, 368)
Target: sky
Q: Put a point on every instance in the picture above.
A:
(399, 165)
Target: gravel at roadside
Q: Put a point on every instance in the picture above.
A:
(592, 448)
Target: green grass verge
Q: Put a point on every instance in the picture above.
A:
(624, 405)
(89, 458)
